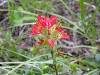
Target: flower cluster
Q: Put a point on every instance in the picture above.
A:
(49, 30)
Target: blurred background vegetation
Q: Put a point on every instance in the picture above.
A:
(81, 18)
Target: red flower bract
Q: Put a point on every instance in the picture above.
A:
(58, 28)
(47, 23)
(51, 43)
(36, 30)
(62, 32)
(41, 42)
(64, 36)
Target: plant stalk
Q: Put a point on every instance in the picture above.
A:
(54, 61)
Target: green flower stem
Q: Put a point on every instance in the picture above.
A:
(54, 60)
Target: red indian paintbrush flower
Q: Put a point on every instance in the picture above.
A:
(46, 27)
(43, 23)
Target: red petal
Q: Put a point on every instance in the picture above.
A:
(42, 21)
(52, 20)
(58, 28)
(45, 22)
(39, 17)
(64, 36)
(41, 42)
(36, 30)
(51, 43)
(48, 32)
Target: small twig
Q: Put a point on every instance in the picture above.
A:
(28, 24)
(69, 42)
(73, 62)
